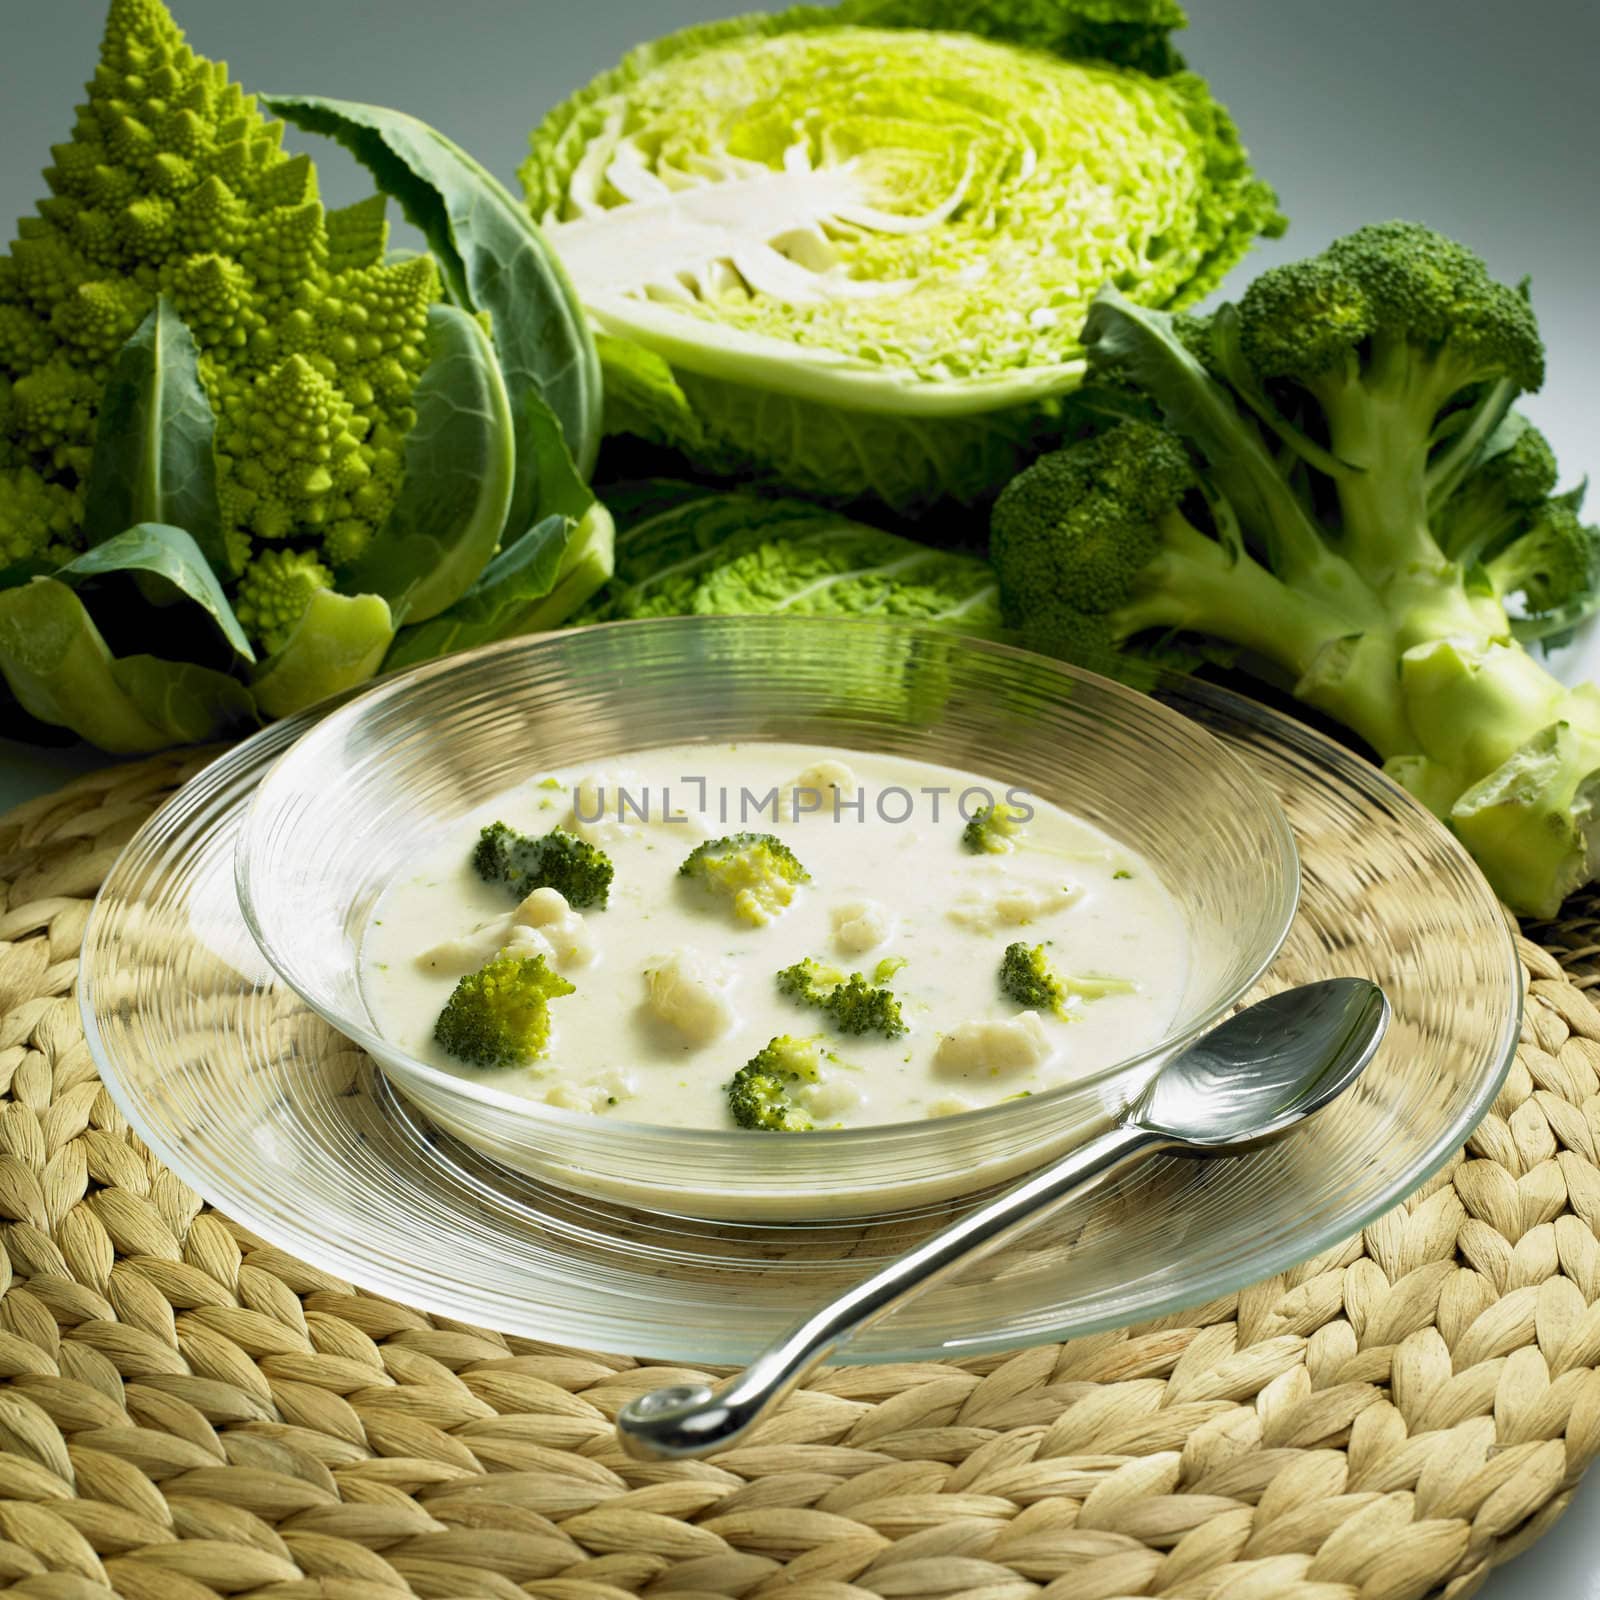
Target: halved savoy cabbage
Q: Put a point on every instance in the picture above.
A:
(849, 250)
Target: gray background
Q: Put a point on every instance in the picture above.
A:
(1479, 119)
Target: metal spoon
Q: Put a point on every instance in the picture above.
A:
(1252, 1078)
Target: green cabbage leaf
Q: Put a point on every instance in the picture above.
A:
(850, 250)
(683, 551)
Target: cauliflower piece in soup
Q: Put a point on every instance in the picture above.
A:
(611, 807)
(601, 1093)
(828, 1100)
(818, 791)
(545, 917)
(1013, 905)
(689, 993)
(993, 1048)
(860, 925)
(468, 952)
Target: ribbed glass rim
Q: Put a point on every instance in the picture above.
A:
(332, 727)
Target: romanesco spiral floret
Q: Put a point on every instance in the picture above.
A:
(37, 519)
(173, 182)
(297, 442)
(211, 218)
(96, 319)
(213, 296)
(26, 342)
(52, 412)
(358, 234)
(274, 592)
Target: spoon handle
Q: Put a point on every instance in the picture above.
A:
(693, 1420)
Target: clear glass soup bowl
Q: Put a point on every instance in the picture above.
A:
(361, 795)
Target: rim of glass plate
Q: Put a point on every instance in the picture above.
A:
(422, 1291)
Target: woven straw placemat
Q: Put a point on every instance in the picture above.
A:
(188, 1412)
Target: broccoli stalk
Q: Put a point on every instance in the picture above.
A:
(499, 1016)
(1338, 489)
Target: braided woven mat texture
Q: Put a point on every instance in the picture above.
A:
(187, 1412)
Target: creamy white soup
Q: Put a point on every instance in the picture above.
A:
(675, 981)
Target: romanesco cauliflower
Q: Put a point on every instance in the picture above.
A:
(38, 520)
(274, 592)
(310, 344)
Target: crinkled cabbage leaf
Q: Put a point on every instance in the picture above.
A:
(682, 551)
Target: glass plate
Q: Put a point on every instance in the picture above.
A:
(284, 1126)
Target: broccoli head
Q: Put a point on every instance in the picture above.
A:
(1111, 540)
(499, 1016)
(756, 873)
(853, 1004)
(1390, 307)
(1027, 977)
(992, 830)
(761, 1092)
(1328, 481)
(560, 860)
(1384, 330)
(1506, 525)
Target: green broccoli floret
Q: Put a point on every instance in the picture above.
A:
(499, 1016)
(1383, 330)
(1028, 977)
(992, 830)
(853, 1004)
(273, 593)
(761, 1092)
(1294, 503)
(1511, 481)
(1503, 521)
(1554, 565)
(311, 343)
(755, 872)
(562, 861)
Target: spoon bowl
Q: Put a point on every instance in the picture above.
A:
(1249, 1080)
(1266, 1068)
